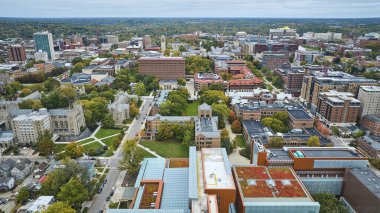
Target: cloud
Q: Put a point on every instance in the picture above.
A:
(190, 8)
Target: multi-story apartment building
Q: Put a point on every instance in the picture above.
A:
(28, 127)
(292, 78)
(308, 56)
(166, 68)
(68, 122)
(369, 97)
(16, 53)
(44, 41)
(337, 108)
(275, 59)
(323, 82)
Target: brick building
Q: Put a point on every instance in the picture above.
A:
(337, 108)
(275, 59)
(16, 53)
(372, 124)
(166, 68)
(292, 78)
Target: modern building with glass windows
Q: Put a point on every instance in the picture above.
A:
(44, 41)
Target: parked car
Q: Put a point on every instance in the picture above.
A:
(105, 181)
(108, 198)
(111, 193)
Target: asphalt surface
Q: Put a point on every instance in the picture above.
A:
(100, 202)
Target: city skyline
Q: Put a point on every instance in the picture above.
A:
(195, 8)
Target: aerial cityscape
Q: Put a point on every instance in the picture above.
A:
(190, 106)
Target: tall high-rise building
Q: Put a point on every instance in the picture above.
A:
(147, 43)
(112, 39)
(163, 43)
(16, 53)
(370, 100)
(44, 41)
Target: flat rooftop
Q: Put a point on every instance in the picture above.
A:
(270, 184)
(368, 178)
(370, 88)
(324, 153)
(299, 114)
(216, 169)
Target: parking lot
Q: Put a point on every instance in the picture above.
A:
(8, 206)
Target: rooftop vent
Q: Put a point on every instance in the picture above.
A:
(286, 182)
(251, 182)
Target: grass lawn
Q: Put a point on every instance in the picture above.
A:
(86, 141)
(146, 154)
(240, 141)
(106, 132)
(192, 108)
(60, 147)
(167, 149)
(92, 145)
(109, 141)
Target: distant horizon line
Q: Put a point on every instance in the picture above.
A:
(185, 17)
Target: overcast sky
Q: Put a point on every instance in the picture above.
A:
(191, 8)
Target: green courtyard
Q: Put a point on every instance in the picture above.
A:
(167, 149)
(192, 109)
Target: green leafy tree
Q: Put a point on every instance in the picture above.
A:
(74, 150)
(359, 134)
(182, 82)
(45, 144)
(132, 157)
(222, 111)
(195, 64)
(34, 104)
(23, 195)
(140, 89)
(164, 131)
(73, 193)
(182, 49)
(275, 124)
(276, 142)
(329, 203)
(283, 117)
(226, 143)
(214, 96)
(313, 141)
(133, 110)
(53, 182)
(60, 207)
(108, 121)
(51, 84)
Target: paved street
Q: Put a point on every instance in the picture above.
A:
(100, 199)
